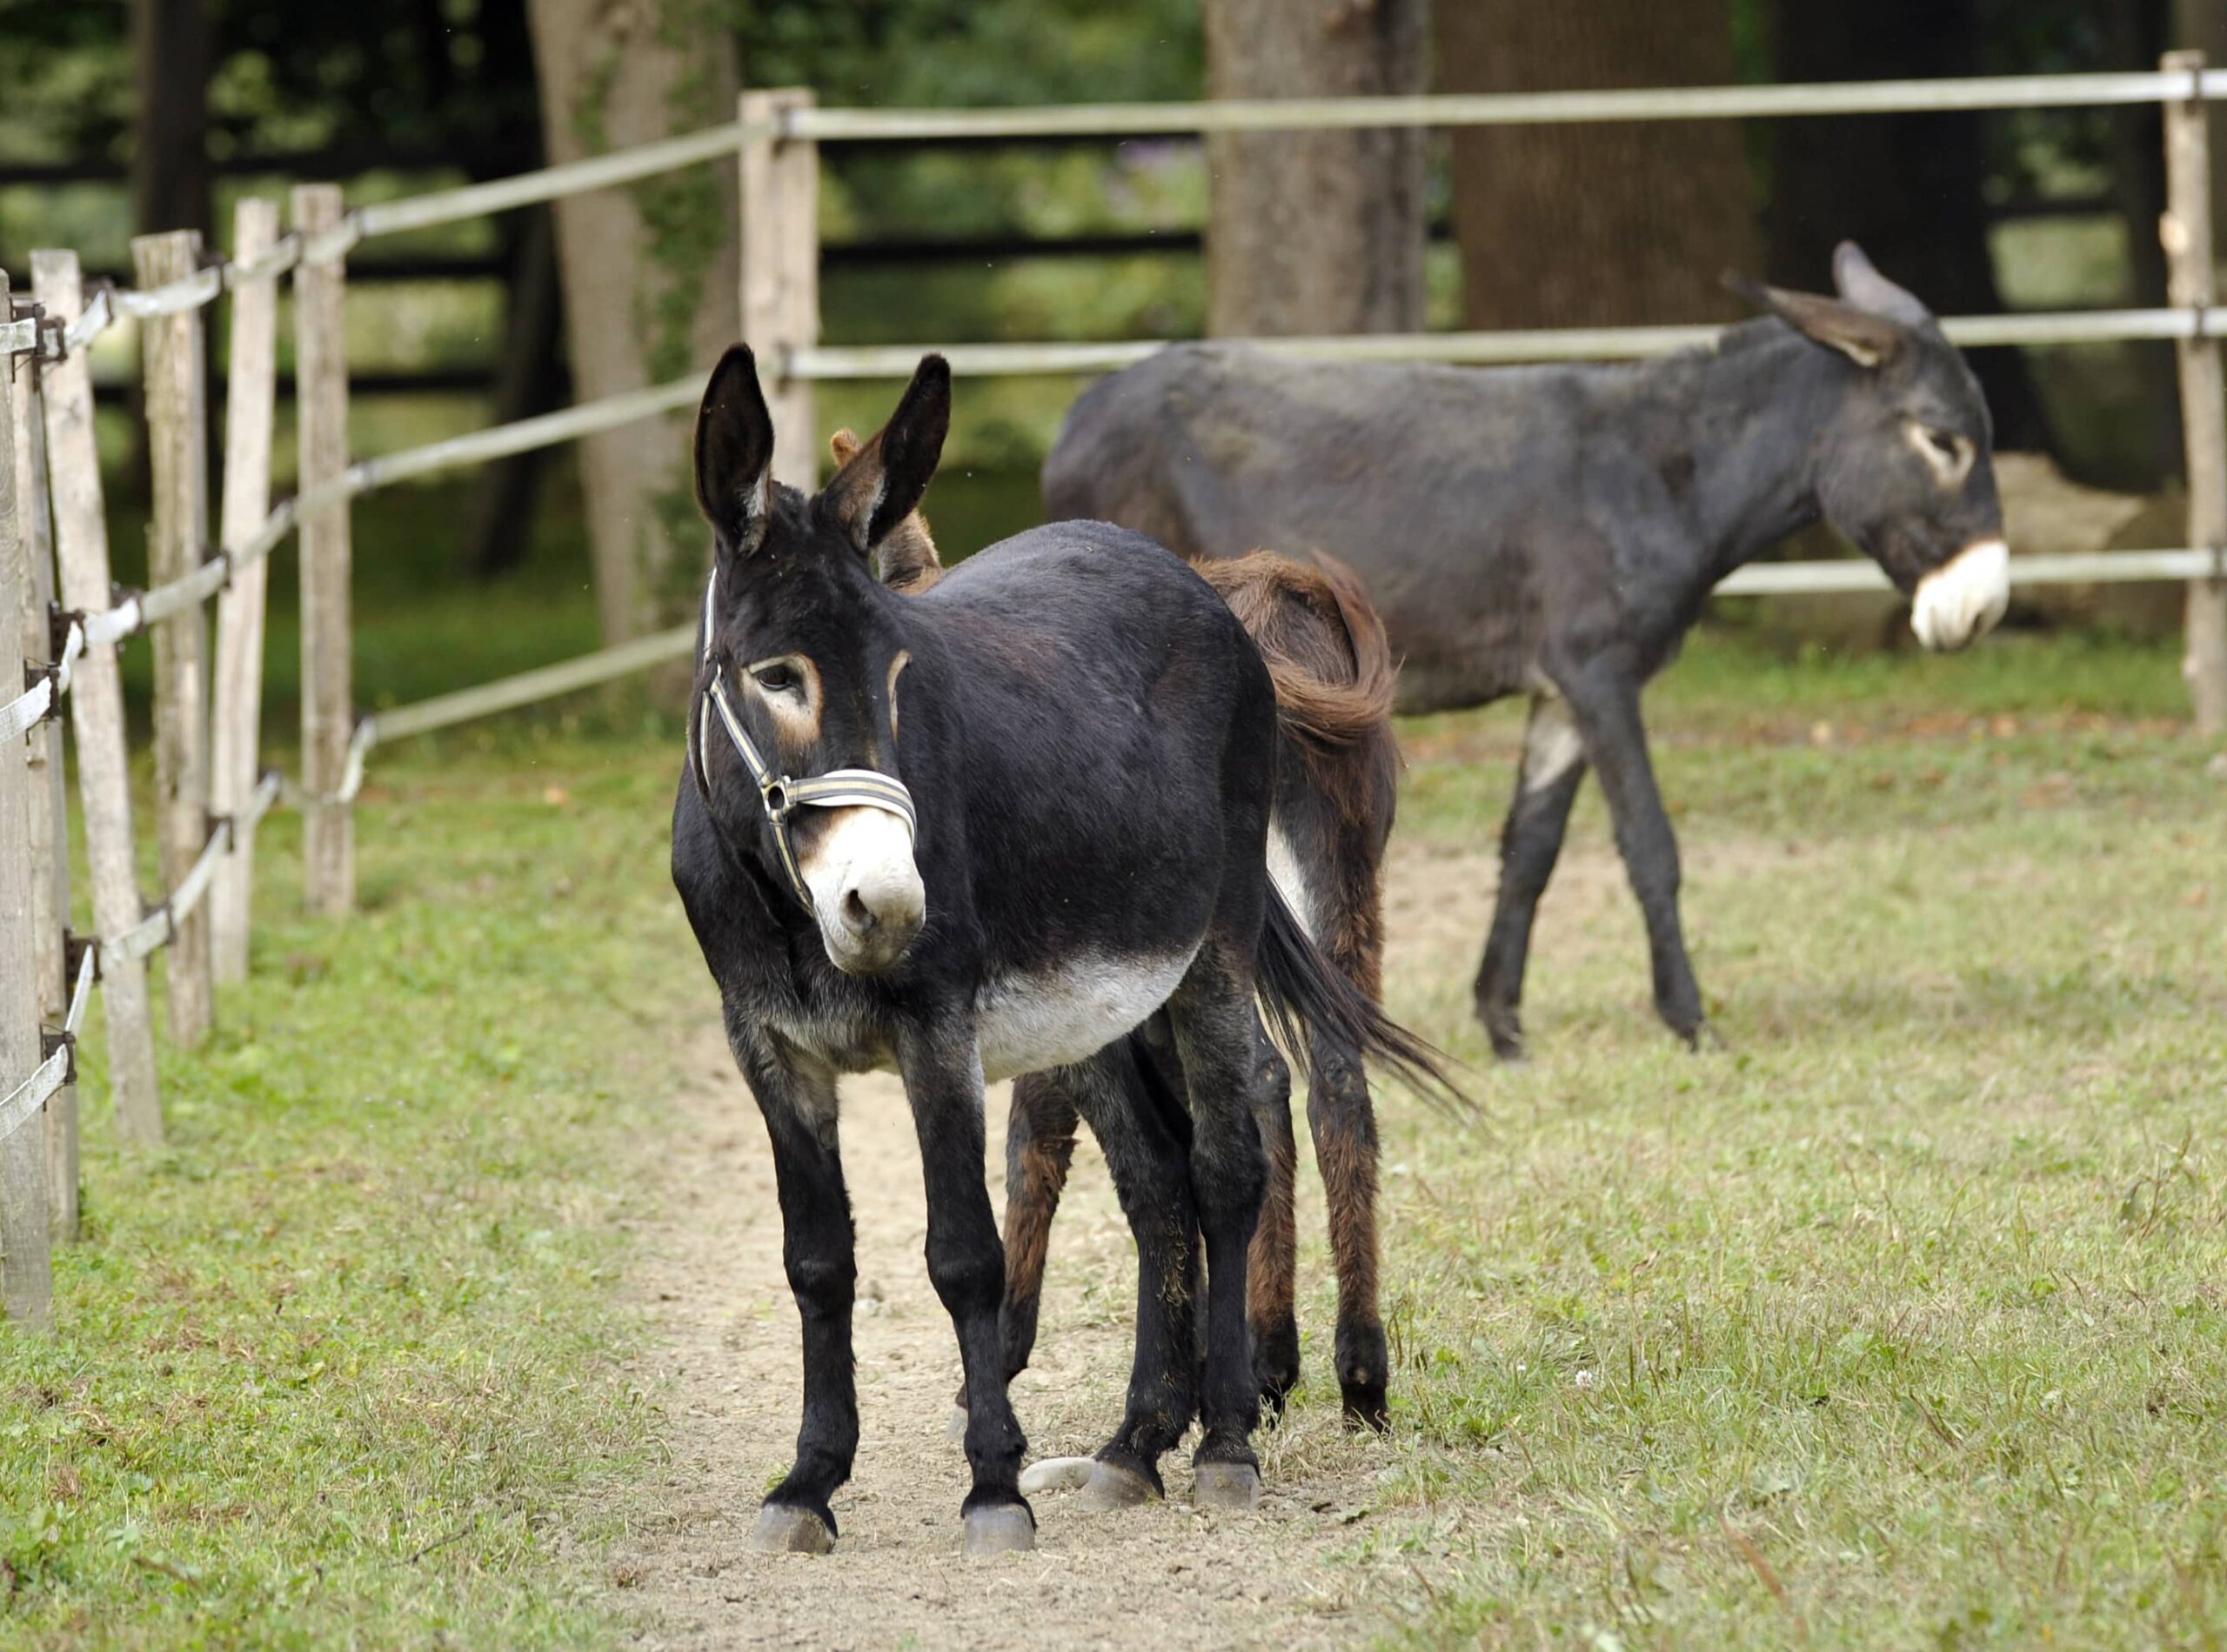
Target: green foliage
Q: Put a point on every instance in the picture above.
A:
(974, 52)
(454, 74)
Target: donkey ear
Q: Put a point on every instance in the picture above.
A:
(1864, 338)
(734, 453)
(881, 483)
(1861, 284)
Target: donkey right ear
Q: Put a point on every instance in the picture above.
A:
(1865, 338)
(883, 480)
(734, 454)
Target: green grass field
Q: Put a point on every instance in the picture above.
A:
(1901, 1322)
(1904, 1321)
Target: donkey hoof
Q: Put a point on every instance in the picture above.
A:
(1113, 1488)
(999, 1529)
(1366, 1408)
(1226, 1485)
(783, 1528)
(955, 1425)
(1057, 1474)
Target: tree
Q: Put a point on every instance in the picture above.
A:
(1911, 188)
(170, 74)
(1314, 232)
(650, 272)
(1595, 226)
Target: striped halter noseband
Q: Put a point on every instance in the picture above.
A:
(780, 795)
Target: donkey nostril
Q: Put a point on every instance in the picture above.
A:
(855, 914)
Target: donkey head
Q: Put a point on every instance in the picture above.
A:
(1906, 469)
(795, 733)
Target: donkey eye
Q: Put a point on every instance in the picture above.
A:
(1948, 444)
(779, 677)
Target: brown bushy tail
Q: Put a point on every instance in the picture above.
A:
(1331, 664)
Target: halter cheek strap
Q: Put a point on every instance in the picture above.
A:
(777, 794)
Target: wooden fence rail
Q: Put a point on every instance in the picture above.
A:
(54, 569)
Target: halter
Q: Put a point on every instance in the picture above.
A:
(777, 792)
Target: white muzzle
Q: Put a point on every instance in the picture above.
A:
(866, 889)
(1962, 597)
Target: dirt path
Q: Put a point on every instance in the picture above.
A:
(1314, 1568)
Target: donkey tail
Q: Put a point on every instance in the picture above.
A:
(1322, 639)
(1302, 990)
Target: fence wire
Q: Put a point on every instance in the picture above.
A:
(43, 699)
(159, 928)
(23, 1102)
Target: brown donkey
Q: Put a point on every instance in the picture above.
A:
(1331, 667)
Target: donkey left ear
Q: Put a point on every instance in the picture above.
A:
(882, 483)
(1865, 338)
(734, 453)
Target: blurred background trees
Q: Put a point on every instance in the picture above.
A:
(1315, 232)
(122, 113)
(1552, 220)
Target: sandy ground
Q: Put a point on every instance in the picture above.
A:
(1320, 1565)
(1295, 1575)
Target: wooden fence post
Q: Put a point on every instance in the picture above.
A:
(328, 711)
(2186, 233)
(236, 729)
(178, 441)
(96, 706)
(781, 272)
(26, 1271)
(49, 817)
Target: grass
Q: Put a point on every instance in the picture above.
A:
(340, 1365)
(1902, 1322)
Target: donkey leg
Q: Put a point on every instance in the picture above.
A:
(1231, 1071)
(1342, 1121)
(1547, 782)
(943, 1081)
(1135, 1119)
(1039, 1148)
(798, 1106)
(1272, 1261)
(1605, 701)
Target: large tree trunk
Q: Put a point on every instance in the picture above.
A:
(530, 379)
(2136, 34)
(170, 80)
(650, 272)
(1906, 187)
(1314, 232)
(1595, 226)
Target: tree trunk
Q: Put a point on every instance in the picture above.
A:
(529, 380)
(169, 154)
(649, 273)
(2136, 33)
(1906, 187)
(1625, 224)
(1314, 232)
